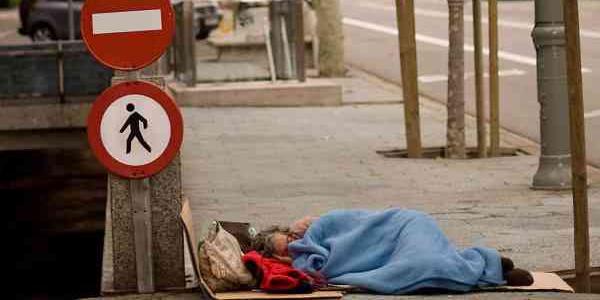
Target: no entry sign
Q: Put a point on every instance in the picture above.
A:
(135, 129)
(127, 34)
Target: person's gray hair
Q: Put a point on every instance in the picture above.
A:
(263, 241)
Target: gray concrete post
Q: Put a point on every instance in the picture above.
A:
(554, 171)
(147, 236)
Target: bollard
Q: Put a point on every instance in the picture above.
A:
(554, 171)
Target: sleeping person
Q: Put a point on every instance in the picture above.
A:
(395, 251)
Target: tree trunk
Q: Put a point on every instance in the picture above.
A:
(331, 38)
(456, 68)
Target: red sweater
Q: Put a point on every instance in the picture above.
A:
(276, 276)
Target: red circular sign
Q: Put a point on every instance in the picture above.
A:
(127, 34)
(135, 129)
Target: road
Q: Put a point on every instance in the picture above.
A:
(371, 44)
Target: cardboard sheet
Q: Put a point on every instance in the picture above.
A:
(186, 218)
(542, 281)
(260, 295)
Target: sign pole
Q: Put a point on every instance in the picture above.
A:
(71, 21)
(142, 226)
(135, 129)
(578, 156)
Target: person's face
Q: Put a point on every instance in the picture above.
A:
(280, 243)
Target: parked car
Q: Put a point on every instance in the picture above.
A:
(44, 20)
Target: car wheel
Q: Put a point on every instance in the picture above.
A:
(42, 33)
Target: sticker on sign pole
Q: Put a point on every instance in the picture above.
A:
(127, 35)
(135, 129)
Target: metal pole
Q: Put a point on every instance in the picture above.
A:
(494, 79)
(405, 17)
(455, 130)
(142, 226)
(286, 49)
(189, 43)
(299, 39)
(71, 21)
(577, 122)
(60, 58)
(269, 51)
(549, 39)
(479, 95)
(275, 11)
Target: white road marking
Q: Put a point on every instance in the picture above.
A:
(442, 78)
(469, 18)
(526, 60)
(126, 21)
(432, 78)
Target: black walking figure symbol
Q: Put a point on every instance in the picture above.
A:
(134, 123)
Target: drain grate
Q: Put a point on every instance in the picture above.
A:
(440, 152)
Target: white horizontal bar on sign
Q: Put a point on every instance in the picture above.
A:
(126, 21)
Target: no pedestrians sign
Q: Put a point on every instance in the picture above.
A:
(127, 34)
(135, 129)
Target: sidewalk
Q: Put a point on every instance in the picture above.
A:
(273, 165)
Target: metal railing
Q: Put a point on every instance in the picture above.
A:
(59, 70)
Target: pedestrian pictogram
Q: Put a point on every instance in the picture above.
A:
(125, 34)
(133, 122)
(135, 129)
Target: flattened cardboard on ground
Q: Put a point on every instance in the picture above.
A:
(188, 225)
(542, 281)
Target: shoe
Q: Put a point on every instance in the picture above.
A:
(507, 264)
(518, 277)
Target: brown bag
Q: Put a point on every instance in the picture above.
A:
(220, 261)
(241, 231)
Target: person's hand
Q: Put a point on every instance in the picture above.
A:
(299, 227)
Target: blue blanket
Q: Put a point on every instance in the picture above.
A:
(391, 252)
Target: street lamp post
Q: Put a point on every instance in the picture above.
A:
(554, 171)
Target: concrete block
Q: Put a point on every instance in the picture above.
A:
(125, 275)
(314, 92)
(167, 233)
(45, 116)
